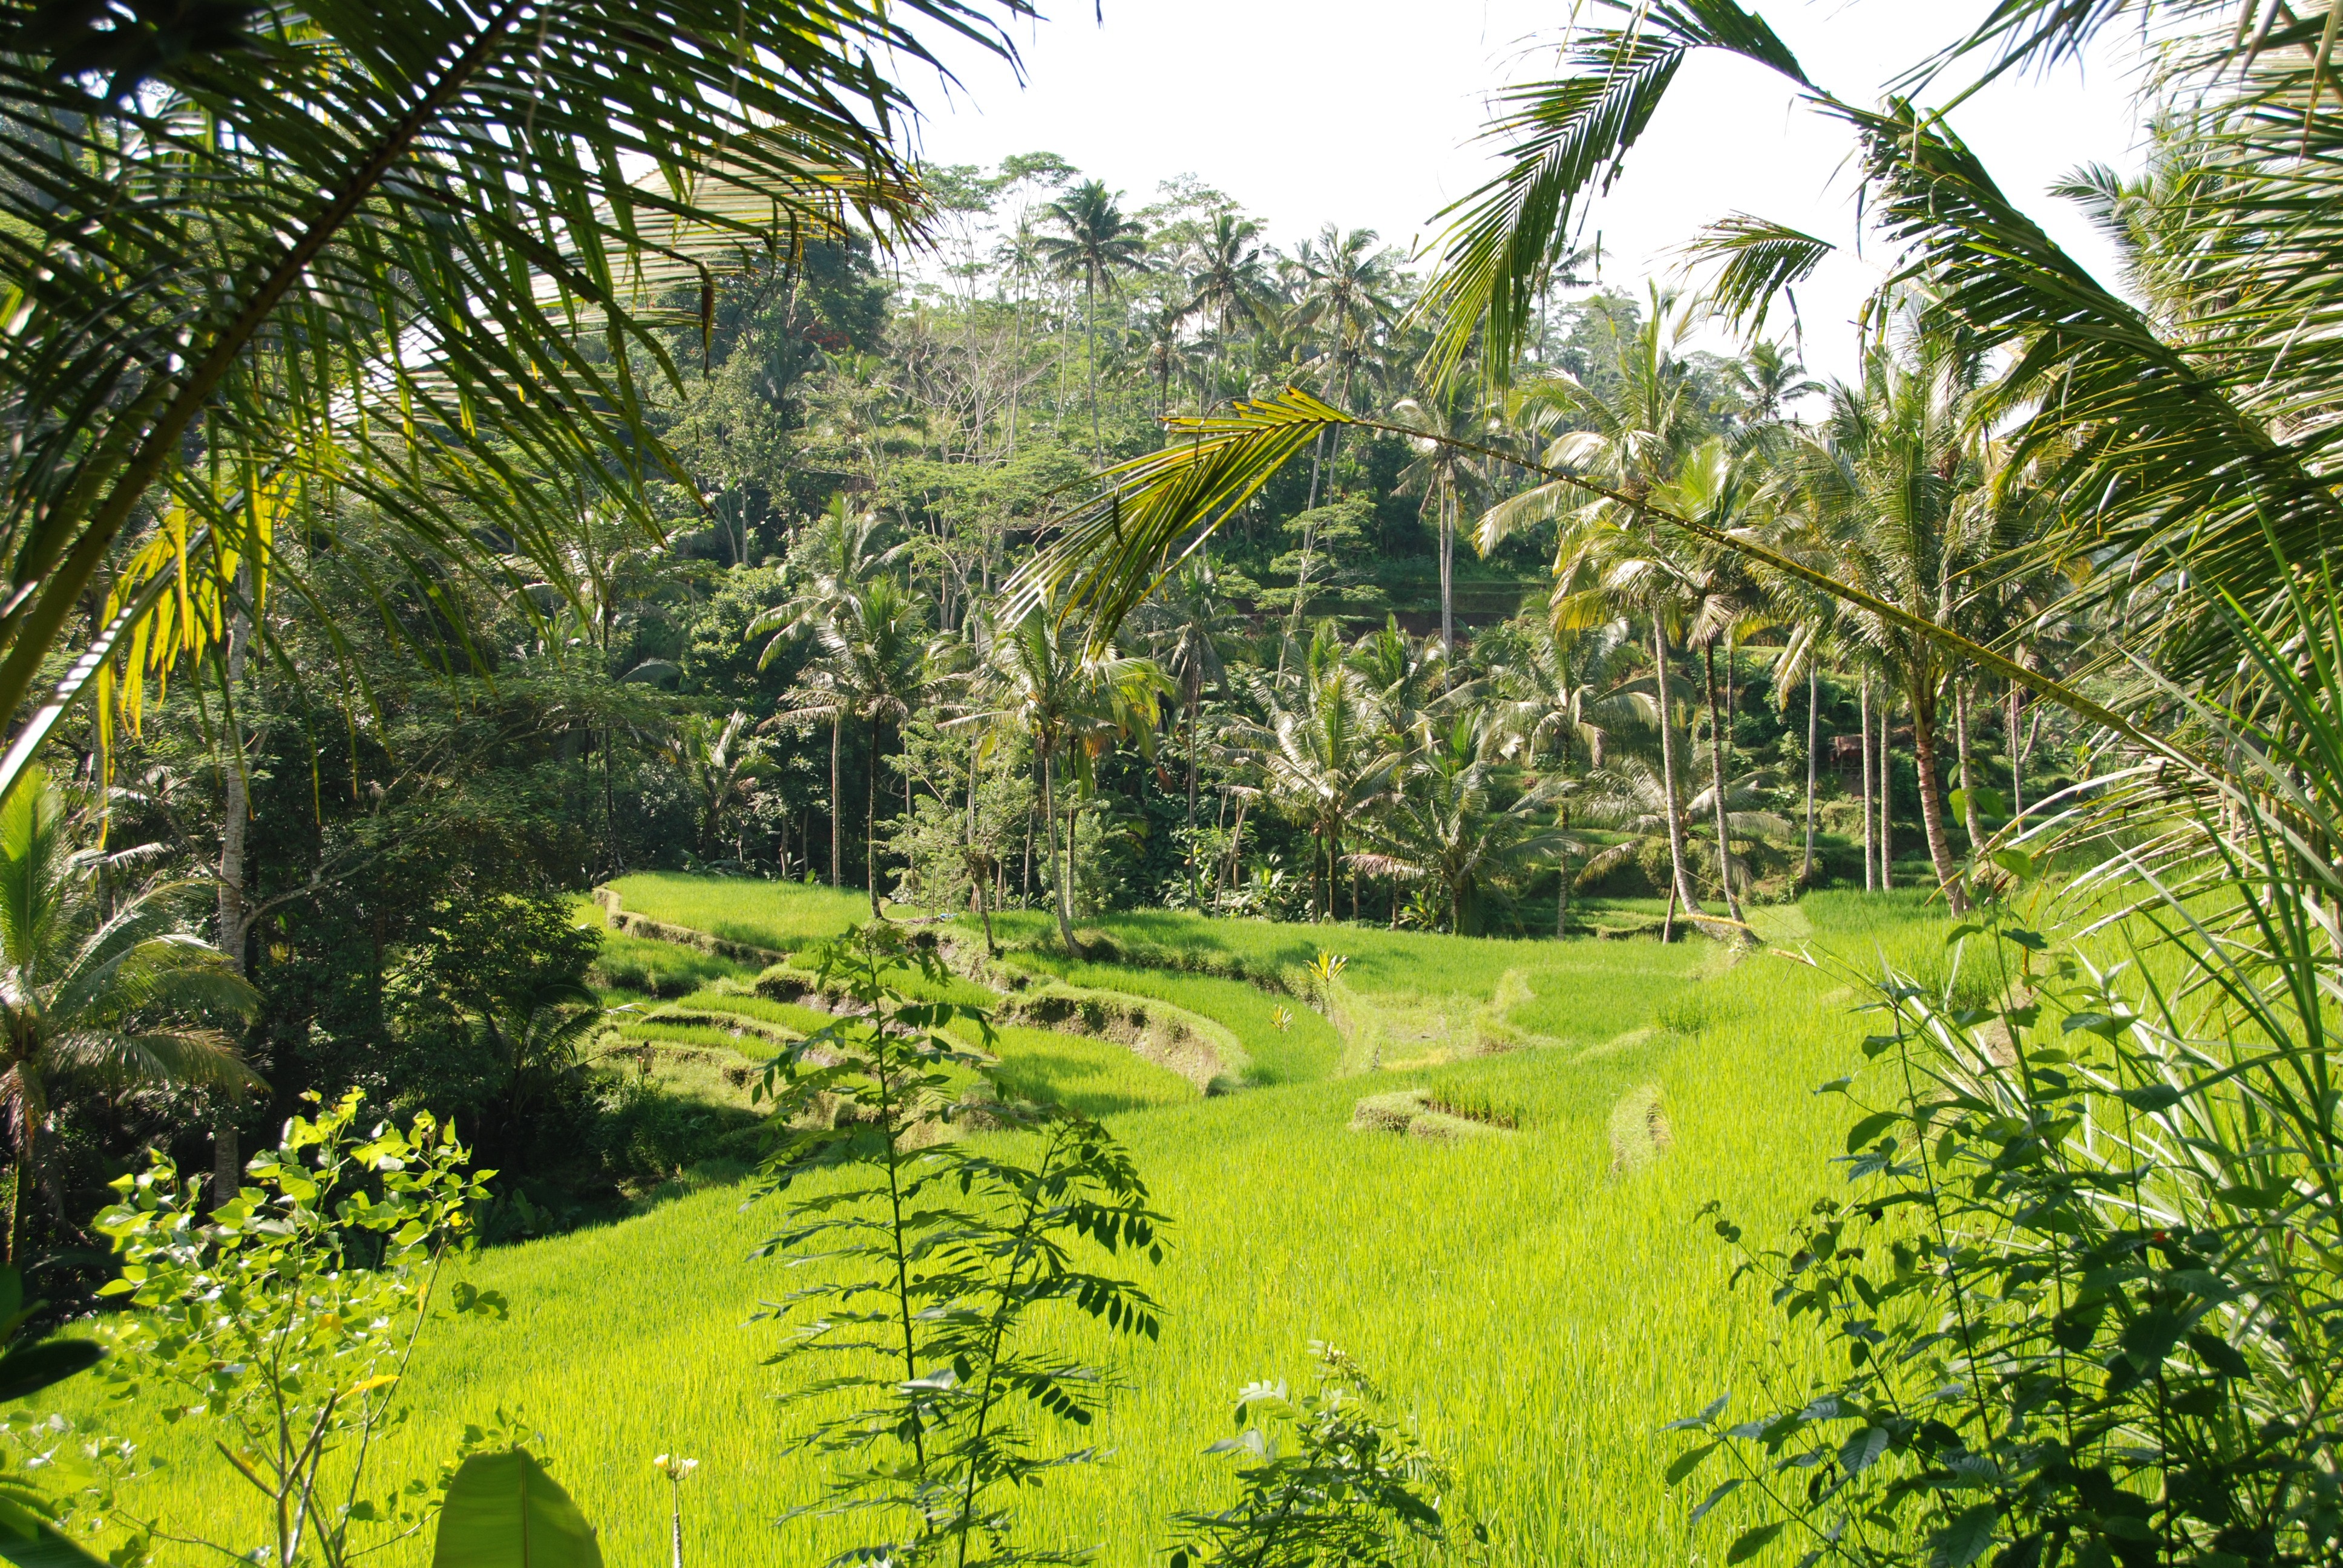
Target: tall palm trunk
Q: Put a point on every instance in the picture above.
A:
(32, 1110)
(1562, 884)
(1716, 789)
(1447, 574)
(1814, 690)
(2016, 758)
(1089, 334)
(1886, 789)
(837, 804)
(235, 907)
(870, 821)
(1064, 878)
(1971, 820)
(1680, 883)
(1870, 813)
(1932, 802)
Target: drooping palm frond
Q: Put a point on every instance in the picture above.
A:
(1150, 513)
(393, 257)
(1563, 138)
(1756, 261)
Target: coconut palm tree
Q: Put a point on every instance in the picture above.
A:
(353, 251)
(1320, 751)
(1632, 435)
(106, 996)
(1574, 687)
(1348, 294)
(717, 764)
(1444, 423)
(1189, 628)
(1445, 830)
(872, 667)
(1232, 283)
(1099, 242)
(1894, 476)
(538, 1042)
(1073, 706)
(829, 562)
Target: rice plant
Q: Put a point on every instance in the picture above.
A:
(1504, 1290)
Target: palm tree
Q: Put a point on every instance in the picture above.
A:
(718, 764)
(110, 1000)
(1443, 827)
(830, 563)
(537, 1043)
(1319, 745)
(1631, 436)
(1721, 488)
(872, 667)
(1099, 242)
(1190, 627)
(453, 213)
(1348, 294)
(1572, 685)
(1232, 283)
(1894, 476)
(1629, 798)
(1445, 423)
(1075, 706)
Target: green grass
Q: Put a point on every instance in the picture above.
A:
(1305, 1049)
(783, 916)
(787, 1014)
(1537, 1315)
(1094, 1077)
(642, 968)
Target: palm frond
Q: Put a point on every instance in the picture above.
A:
(1109, 554)
(396, 255)
(1756, 260)
(1563, 138)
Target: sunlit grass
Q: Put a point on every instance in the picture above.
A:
(1539, 1316)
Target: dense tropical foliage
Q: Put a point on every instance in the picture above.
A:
(455, 457)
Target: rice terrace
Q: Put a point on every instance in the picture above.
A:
(744, 823)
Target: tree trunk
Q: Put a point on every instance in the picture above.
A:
(836, 805)
(1870, 810)
(1090, 335)
(1195, 888)
(1065, 890)
(2017, 758)
(1813, 703)
(870, 821)
(1886, 790)
(235, 907)
(1447, 570)
(1932, 804)
(1971, 820)
(31, 1106)
(1680, 888)
(1561, 883)
(1716, 789)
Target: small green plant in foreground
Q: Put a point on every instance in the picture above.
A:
(2083, 1297)
(1341, 1484)
(285, 1319)
(937, 1252)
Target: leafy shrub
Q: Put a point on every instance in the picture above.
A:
(2083, 1294)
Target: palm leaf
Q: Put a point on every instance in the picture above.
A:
(1563, 138)
(393, 257)
(1757, 260)
(1111, 553)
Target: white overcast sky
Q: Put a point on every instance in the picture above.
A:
(1363, 113)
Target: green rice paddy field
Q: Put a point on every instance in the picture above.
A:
(1539, 1302)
